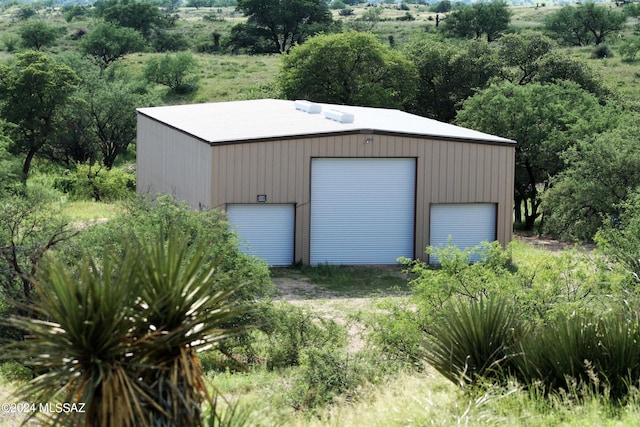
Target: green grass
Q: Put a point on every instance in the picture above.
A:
(90, 211)
(353, 281)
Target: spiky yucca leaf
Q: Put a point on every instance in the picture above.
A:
(473, 340)
(183, 310)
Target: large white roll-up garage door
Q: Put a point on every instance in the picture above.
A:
(467, 224)
(266, 231)
(362, 210)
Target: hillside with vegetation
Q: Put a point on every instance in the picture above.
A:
(148, 314)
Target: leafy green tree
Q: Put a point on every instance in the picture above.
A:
(544, 120)
(557, 66)
(177, 72)
(25, 12)
(629, 49)
(38, 35)
(449, 74)
(140, 16)
(601, 173)
(286, 23)
(108, 42)
(619, 238)
(29, 228)
(490, 19)
(584, 24)
(348, 68)
(9, 166)
(33, 92)
(521, 56)
(368, 20)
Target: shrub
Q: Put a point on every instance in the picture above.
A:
(145, 219)
(601, 51)
(396, 334)
(325, 374)
(619, 239)
(95, 183)
(11, 42)
(629, 49)
(458, 277)
(292, 330)
(475, 340)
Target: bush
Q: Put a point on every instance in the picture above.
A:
(165, 41)
(325, 374)
(629, 49)
(601, 51)
(396, 334)
(145, 219)
(11, 42)
(95, 183)
(619, 239)
(292, 330)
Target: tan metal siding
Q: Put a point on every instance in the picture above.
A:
(447, 172)
(171, 162)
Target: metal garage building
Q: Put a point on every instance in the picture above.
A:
(316, 183)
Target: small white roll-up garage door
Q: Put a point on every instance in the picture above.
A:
(266, 231)
(468, 225)
(362, 210)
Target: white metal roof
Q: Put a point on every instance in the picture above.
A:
(225, 122)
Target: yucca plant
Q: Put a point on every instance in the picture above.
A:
(182, 310)
(619, 360)
(474, 340)
(82, 346)
(121, 336)
(600, 354)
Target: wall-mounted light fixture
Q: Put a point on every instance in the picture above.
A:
(369, 140)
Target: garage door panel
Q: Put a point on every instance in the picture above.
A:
(467, 224)
(265, 231)
(362, 210)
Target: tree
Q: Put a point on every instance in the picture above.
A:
(37, 35)
(286, 23)
(544, 120)
(601, 173)
(107, 43)
(619, 238)
(368, 20)
(521, 56)
(29, 228)
(584, 24)
(348, 68)
(449, 74)
(174, 71)
(9, 167)
(33, 93)
(489, 19)
(557, 66)
(140, 16)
